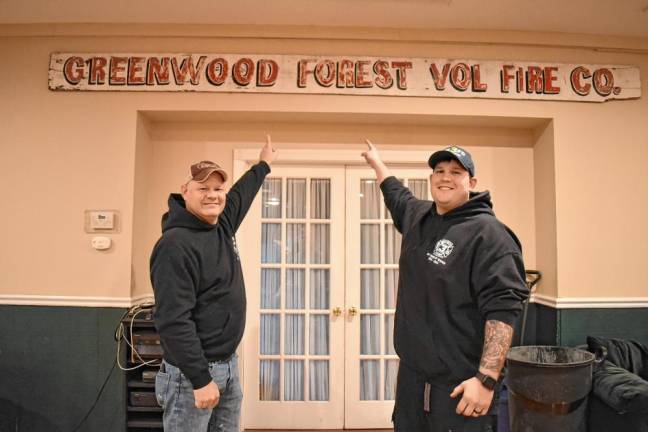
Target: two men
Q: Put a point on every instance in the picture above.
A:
(460, 289)
(200, 298)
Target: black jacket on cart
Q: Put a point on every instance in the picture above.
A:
(457, 270)
(619, 398)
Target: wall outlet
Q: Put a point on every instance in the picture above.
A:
(101, 243)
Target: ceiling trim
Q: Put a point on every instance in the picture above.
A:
(603, 43)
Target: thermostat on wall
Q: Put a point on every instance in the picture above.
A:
(105, 221)
(102, 220)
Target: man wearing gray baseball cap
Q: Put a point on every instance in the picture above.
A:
(460, 289)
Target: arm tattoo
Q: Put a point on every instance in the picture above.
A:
(497, 341)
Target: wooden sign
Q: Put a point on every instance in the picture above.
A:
(347, 75)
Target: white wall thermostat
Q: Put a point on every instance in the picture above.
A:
(102, 221)
(101, 243)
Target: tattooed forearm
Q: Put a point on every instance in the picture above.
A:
(497, 341)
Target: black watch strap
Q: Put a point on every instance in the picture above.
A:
(487, 381)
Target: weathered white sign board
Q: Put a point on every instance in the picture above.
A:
(347, 75)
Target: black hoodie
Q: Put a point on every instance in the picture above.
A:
(198, 282)
(457, 270)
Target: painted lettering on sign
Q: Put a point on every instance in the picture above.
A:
(163, 71)
(345, 75)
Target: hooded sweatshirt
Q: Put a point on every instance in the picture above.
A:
(198, 281)
(457, 270)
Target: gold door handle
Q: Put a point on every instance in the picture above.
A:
(353, 311)
(337, 311)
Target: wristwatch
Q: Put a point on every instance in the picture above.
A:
(487, 381)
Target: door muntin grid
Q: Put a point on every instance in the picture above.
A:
(379, 253)
(294, 343)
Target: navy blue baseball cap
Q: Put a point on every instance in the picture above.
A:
(453, 152)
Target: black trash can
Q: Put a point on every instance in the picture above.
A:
(548, 388)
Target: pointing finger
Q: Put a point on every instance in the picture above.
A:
(369, 144)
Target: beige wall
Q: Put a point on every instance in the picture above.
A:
(545, 209)
(63, 153)
(142, 201)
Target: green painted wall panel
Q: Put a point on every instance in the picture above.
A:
(53, 360)
(577, 324)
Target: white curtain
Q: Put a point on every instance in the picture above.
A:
(391, 371)
(271, 198)
(296, 198)
(369, 379)
(319, 288)
(319, 382)
(320, 199)
(270, 288)
(419, 188)
(369, 334)
(295, 243)
(369, 289)
(369, 199)
(269, 380)
(269, 334)
(319, 335)
(389, 334)
(294, 343)
(294, 382)
(392, 244)
(369, 244)
(391, 287)
(270, 243)
(320, 244)
(295, 288)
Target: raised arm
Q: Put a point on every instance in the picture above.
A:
(240, 197)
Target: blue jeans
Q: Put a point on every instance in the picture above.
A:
(174, 392)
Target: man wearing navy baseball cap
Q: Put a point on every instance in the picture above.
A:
(461, 287)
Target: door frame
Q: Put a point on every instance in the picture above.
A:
(244, 158)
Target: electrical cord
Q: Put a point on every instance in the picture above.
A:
(103, 386)
(119, 336)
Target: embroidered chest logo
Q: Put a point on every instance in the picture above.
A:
(442, 250)
(235, 248)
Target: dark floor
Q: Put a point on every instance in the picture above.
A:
(319, 430)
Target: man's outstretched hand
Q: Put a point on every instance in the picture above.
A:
(371, 154)
(268, 153)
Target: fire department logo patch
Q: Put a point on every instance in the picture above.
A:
(442, 250)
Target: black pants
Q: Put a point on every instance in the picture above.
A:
(409, 415)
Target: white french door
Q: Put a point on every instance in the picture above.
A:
(320, 257)
(372, 253)
(294, 271)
